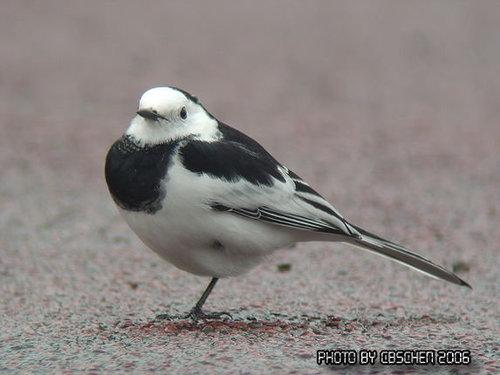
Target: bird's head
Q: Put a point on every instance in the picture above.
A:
(169, 113)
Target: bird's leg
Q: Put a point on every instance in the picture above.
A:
(196, 312)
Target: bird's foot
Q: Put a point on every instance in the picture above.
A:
(167, 317)
(195, 314)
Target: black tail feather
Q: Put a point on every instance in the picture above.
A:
(404, 256)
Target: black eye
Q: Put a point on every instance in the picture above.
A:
(183, 113)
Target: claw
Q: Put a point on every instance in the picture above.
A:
(196, 314)
(167, 317)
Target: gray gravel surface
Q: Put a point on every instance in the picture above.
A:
(389, 108)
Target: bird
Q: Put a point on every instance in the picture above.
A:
(213, 202)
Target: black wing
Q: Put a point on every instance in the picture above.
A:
(238, 157)
(281, 218)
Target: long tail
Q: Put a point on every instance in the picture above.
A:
(398, 253)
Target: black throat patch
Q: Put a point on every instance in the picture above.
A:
(134, 173)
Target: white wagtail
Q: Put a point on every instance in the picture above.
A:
(212, 201)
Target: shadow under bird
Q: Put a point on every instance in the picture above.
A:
(213, 202)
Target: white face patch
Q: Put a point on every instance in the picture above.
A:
(180, 117)
(163, 100)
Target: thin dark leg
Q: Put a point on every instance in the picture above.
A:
(196, 312)
(205, 294)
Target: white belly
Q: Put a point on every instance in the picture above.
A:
(206, 242)
(186, 231)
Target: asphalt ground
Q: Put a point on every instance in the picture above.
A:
(390, 109)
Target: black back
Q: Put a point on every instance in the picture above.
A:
(234, 157)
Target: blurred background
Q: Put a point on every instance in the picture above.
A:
(391, 109)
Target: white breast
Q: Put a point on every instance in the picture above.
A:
(199, 240)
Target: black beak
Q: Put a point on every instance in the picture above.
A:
(150, 114)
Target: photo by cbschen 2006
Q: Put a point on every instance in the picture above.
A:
(213, 202)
